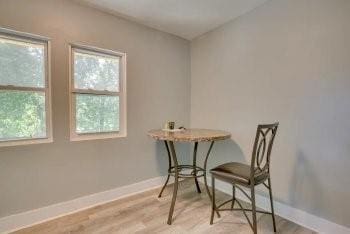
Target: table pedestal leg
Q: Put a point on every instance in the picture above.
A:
(205, 176)
(169, 168)
(195, 166)
(176, 183)
(172, 157)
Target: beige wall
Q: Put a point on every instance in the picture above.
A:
(288, 60)
(158, 89)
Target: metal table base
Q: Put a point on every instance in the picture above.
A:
(177, 169)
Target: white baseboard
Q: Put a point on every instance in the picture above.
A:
(18, 221)
(29, 218)
(300, 217)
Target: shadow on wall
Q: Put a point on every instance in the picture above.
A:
(305, 185)
(222, 152)
(184, 156)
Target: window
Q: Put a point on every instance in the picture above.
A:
(98, 101)
(25, 114)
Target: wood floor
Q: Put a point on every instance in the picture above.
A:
(145, 213)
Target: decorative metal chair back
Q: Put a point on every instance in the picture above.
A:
(265, 135)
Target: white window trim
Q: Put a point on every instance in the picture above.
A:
(121, 93)
(31, 38)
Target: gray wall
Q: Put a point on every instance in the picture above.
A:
(288, 60)
(158, 89)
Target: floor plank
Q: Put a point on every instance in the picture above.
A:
(145, 213)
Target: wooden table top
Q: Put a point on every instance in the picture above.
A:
(189, 135)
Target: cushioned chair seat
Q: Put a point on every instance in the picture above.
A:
(238, 172)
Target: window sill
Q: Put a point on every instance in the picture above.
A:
(87, 137)
(26, 142)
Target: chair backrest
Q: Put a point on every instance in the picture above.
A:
(265, 135)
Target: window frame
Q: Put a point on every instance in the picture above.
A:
(121, 93)
(46, 42)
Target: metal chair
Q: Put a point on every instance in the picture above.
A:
(248, 176)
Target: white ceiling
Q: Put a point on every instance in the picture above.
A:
(184, 18)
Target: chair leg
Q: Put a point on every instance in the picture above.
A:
(271, 202)
(212, 200)
(255, 226)
(233, 196)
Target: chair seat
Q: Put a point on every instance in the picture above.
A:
(238, 172)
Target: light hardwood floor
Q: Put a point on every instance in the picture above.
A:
(145, 213)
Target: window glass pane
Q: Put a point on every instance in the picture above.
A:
(97, 113)
(22, 63)
(96, 72)
(22, 115)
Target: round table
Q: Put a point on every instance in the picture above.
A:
(187, 135)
